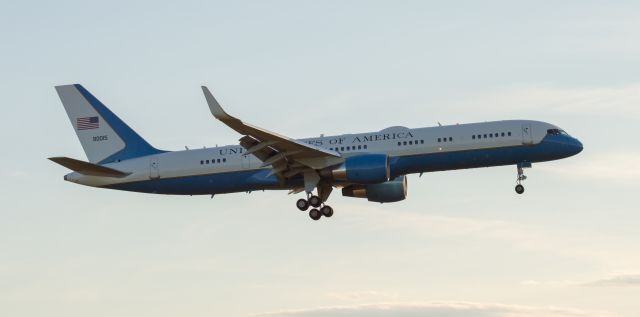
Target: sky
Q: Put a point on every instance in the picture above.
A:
(463, 243)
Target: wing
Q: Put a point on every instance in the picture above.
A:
(288, 157)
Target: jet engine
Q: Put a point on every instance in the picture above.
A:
(387, 192)
(363, 169)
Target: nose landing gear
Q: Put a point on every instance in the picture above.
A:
(519, 189)
(521, 176)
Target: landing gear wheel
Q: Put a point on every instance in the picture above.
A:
(302, 204)
(519, 189)
(315, 201)
(326, 211)
(315, 214)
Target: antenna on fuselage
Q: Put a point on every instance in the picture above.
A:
(439, 124)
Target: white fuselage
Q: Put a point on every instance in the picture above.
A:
(396, 142)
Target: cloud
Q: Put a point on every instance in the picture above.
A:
(434, 309)
(363, 295)
(624, 280)
(562, 283)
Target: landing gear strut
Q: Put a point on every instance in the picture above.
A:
(521, 177)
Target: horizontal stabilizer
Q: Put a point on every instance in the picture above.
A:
(87, 168)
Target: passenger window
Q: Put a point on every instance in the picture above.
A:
(509, 133)
(421, 141)
(201, 161)
(359, 147)
(502, 133)
(218, 160)
(342, 148)
(473, 137)
(450, 139)
(224, 160)
(365, 146)
(399, 143)
(404, 143)
(438, 140)
(410, 142)
(485, 136)
(207, 161)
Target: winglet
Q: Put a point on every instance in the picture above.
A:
(214, 106)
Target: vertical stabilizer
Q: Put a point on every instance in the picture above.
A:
(104, 137)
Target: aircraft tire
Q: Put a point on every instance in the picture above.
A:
(315, 214)
(519, 189)
(326, 211)
(315, 201)
(302, 204)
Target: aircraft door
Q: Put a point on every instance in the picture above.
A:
(154, 168)
(527, 134)
(245, 160)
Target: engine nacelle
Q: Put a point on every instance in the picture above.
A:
(363, 169)
(387, 192)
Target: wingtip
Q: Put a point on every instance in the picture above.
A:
(214, 106)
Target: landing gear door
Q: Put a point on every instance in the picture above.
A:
(527, 134)
(154, 168)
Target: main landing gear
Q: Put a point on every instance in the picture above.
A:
(315, 202)
(521, 177)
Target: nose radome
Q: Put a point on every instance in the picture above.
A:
(577, 146)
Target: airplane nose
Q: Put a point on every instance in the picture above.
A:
(576, 146)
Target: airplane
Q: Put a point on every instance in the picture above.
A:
(371, 165)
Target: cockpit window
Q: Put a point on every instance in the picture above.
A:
(556, 132)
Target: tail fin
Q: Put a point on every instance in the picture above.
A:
(104, 137)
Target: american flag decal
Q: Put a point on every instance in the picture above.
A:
(87, 123)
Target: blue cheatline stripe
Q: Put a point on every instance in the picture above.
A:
(550, 148)
(135, 145)
(227, 182)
